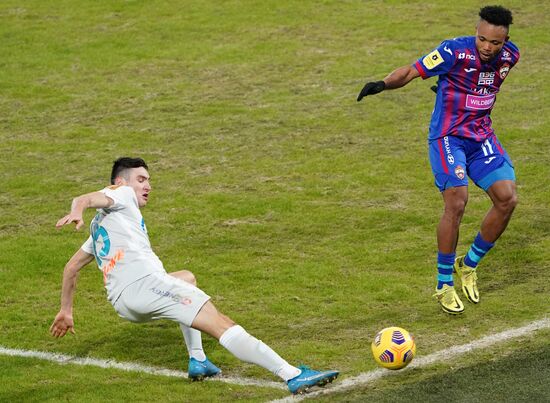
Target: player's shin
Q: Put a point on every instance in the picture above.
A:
(248, 348)
(477, 251)
(193, 341)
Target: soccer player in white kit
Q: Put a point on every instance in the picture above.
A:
(140, 289)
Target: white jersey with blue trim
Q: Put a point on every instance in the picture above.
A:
(119, 241)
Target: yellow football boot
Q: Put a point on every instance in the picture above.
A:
(468, 277)
(449, 300)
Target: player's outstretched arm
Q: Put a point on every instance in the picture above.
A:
(81, 203)
(63, 321)
(396, 79)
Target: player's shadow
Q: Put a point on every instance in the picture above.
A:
(158, 343)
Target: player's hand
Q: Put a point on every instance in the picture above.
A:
(62, 324)
(70, 218)
(371, 88)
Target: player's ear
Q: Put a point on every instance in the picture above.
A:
(507, 38)
(119, 180)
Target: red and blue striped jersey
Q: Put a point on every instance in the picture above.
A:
(467, 87)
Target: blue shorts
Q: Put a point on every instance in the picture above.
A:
(454, 159)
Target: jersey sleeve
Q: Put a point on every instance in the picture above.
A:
(123, 196)
(437, 62)
(510, 53)
(88, 246)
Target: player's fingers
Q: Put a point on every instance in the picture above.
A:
(79, 224)
(61, 331)
(72, 330)
(364, 92)
(61, 222)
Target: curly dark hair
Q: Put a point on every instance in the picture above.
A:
(124, 163)
(496, 15)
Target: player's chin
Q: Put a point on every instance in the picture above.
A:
(487, 58)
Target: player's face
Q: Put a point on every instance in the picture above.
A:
(489, 40)
(138, 179)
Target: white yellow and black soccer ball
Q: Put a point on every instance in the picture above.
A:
(393, 348)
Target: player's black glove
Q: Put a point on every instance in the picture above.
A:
(371, 88)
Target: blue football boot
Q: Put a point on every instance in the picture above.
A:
(198, 370)
(308, 378)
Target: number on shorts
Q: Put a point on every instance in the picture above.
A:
(487, 148)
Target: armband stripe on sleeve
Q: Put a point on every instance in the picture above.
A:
(418, 66)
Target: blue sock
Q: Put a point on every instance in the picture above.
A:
(445, 262)
(479, 248)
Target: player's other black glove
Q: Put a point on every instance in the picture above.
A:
(371, 88)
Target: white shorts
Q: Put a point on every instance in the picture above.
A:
(160, 296)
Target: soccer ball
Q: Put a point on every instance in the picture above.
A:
(393, 348)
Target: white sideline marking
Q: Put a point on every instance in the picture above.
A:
(359, 380)
(129, 366)
(438, 356)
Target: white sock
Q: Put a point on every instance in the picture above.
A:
(248, 348)
(193, 341)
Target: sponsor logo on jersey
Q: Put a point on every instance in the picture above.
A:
(480, 102)
(167, 294)
(503, 72)
(486, 78)
(466, 56)
(432, 60)
(174, 297)
(110, 265)
(143, 226)
(482, 91)
(446, 49)
(506, 56)
(186, 301)
(470, 69)
(459, 172)
(450, 157)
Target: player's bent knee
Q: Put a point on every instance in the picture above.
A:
(456, 207)
(212, 322)
(186, 276)
(455, 199)
(508, 205)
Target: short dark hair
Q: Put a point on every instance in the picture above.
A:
(125, 163)
(496, 15)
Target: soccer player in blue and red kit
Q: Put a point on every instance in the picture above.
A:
(462, 142)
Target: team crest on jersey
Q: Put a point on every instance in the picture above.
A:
(459, 172)
(432, 60)
(503, 72)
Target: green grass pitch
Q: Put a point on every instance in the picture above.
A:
(308, 217)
